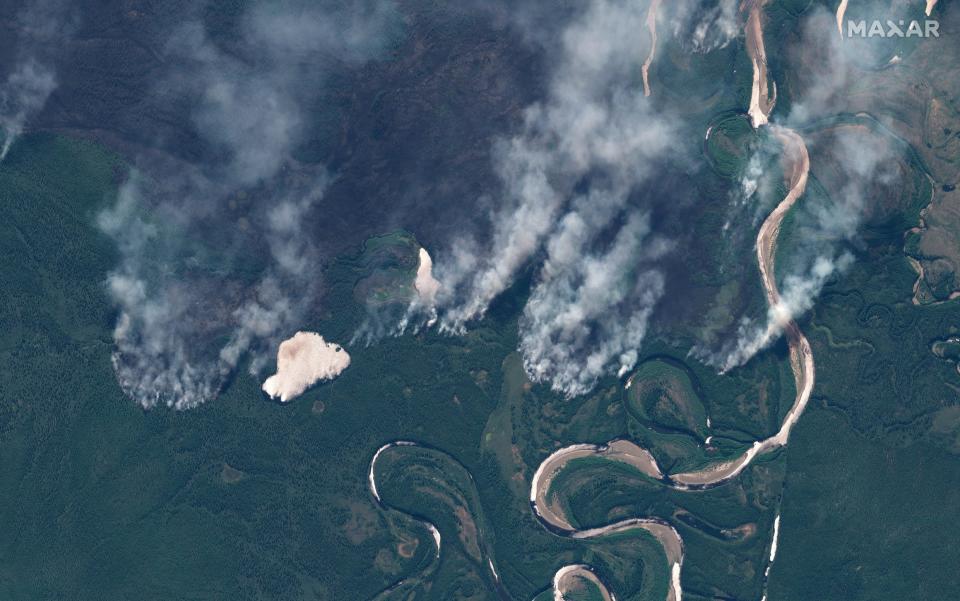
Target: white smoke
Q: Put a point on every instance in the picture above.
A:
(286, 289)
(826, 226)
(42, 26)
(588, 314)
(752, 197)
(151, 357)
(594, 122)
(704, 26)
(842, 63)
(164, 316)
(824, 88)
(24, 92)
(248, 108)
(798, 295)
(568, 178)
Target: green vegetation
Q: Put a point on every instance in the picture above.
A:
(388, 264)
(428, 483)
(584, 590)
(596, 491)
(670, 398)
(102, 500)
(662, 393)
(247, 499)
(731, 142)
(866, 480)
(948, 349)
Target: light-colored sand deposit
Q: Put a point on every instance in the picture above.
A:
(761, 101)
(302, 361)
(426, 285)
(652, 28)
(841, 10)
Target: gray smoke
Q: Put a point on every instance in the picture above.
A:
(753, 197)
(588, 313)
(287, 288)
(827, 226)
(593, 120)
(152, 358)
(704, 25)
(186, 318)
(42, 26)
(588, 145)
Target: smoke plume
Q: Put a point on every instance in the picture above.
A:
(42, 26)
(705, 25)
(567, 182)
(216, 264)
(827, 225)
(588, 313)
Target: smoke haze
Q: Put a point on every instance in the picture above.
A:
(829, 225)
(705, 25)
(43, 26)
(567, 180)
(183, 230)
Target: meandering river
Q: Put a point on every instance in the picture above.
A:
(795, 162)
(796, 165)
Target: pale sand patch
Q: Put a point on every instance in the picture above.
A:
(371, 477)
(796, 167)
(540, 484)
(302, 361)
(620, 450)
(776, 536)
(761, 103)
(427, 286)
(718, 472)
(628, 452)
(666, 535)
(652, 27)
(436, 536)
(841, 10)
